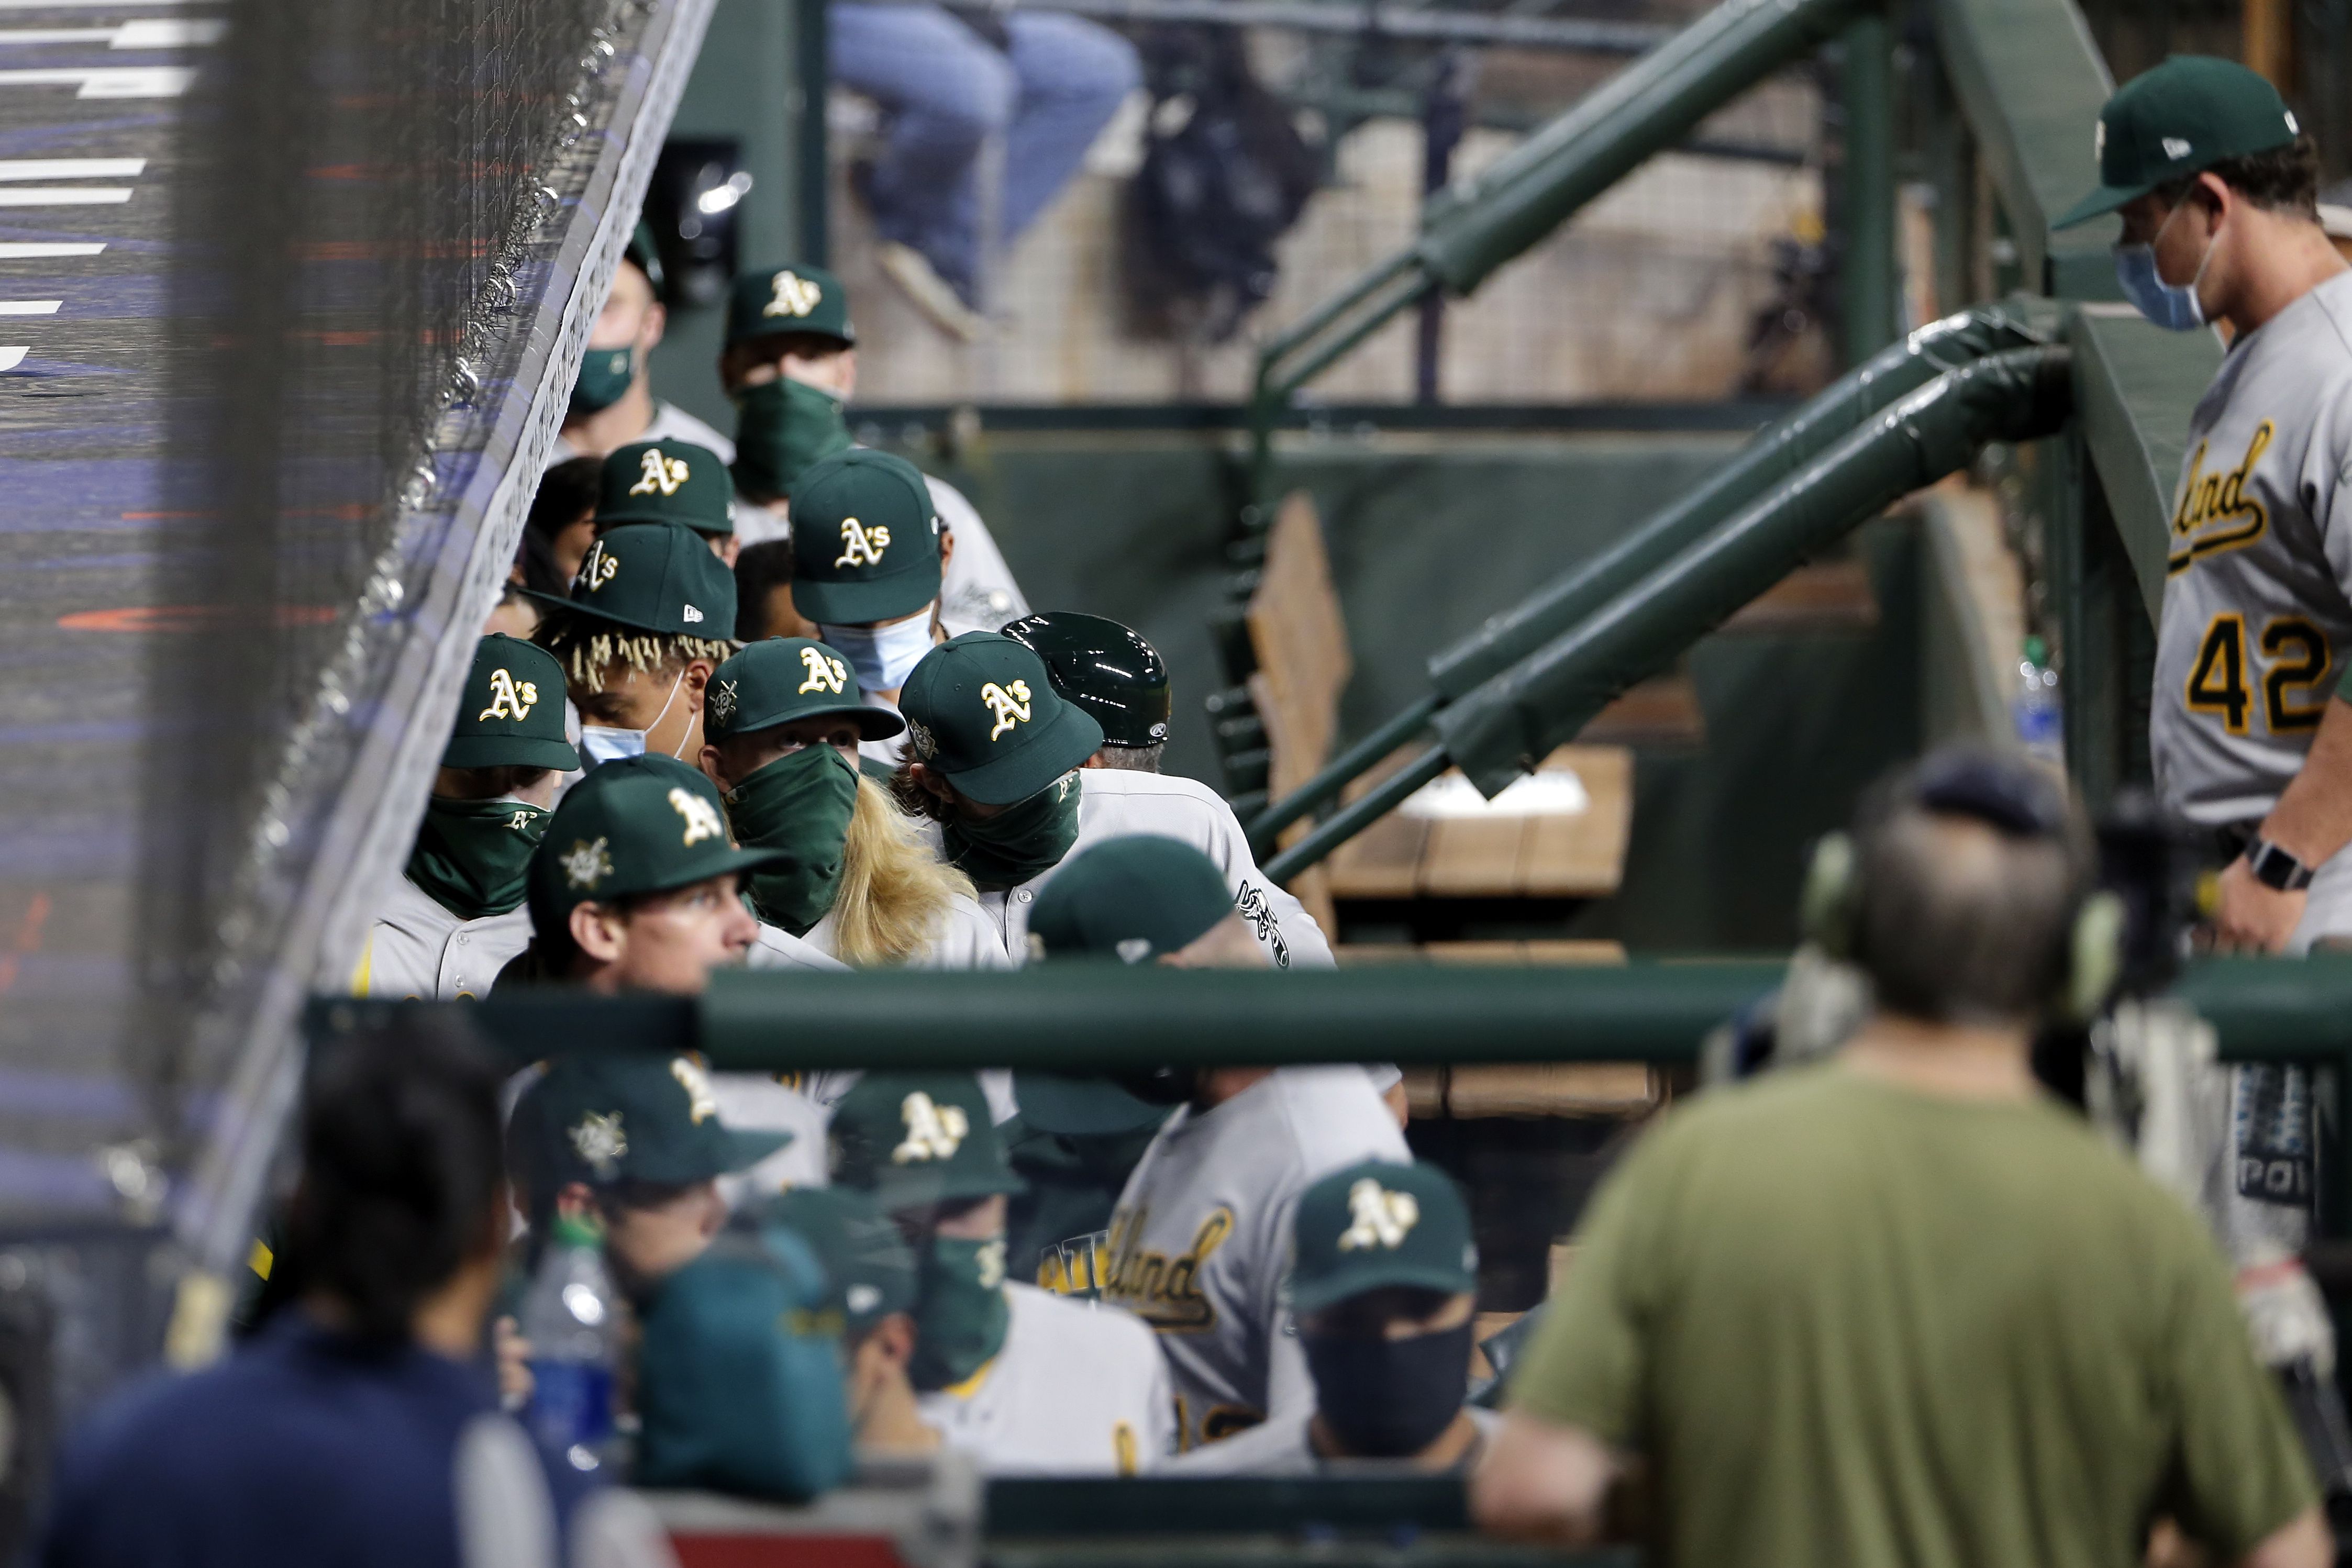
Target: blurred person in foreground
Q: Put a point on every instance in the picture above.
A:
(1026, 1381)
(360, 1423)
(1901, 1305)
(870, 1274)
(1384, 1283)
(737, 1375)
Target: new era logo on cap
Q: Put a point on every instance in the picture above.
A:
(2174, 148)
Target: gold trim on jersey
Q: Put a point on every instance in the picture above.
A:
(2211, 499)
(1164, 1292)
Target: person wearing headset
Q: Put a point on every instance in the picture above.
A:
(1902, 1304)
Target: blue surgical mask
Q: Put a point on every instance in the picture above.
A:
(883, 656)
(2172, 306)
(600, 744)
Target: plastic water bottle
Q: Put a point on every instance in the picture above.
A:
(568, 1317)
(2041, 722)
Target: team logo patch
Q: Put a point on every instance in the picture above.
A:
(794, 296)
(597, 567)
(1377, 1216)
(919, 737)
(823, 674)
(600, 1143)
(509, 697)
(702, 1103)
(587, 864)
(701, 816)
(934, 1131)
(1008, 705)
(722, 703)
(862, 546)
(662, 474)
(1259, 913)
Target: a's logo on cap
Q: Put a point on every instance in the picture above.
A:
(597, 567)
(862, 546)
(934, 1131)
(794, 296)
(722, 702)
(919, 737)
(701, 816)
(1378, 1217)
(823, 674)
(662, 474)
(587, 864)
(701, 1102)
(600, 1143)
(2174, 148)
(509, 697)
(1010, 704)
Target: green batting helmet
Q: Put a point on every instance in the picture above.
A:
(1105, 668)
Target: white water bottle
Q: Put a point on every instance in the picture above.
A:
(2041, 720)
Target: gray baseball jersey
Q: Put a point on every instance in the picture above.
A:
(2256, 627)
(1113, 802)
(1077, 1390)
(671, 423)
(416, 948)
(1201, 1238)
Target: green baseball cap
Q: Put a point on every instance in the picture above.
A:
(865, 539)
(2187, 114)
(513, 713)
(786, 678)
(654, 577)
(1377, 1225)
(981, 709)
(666, 482)
(788, 300)
(1130, 898)
(866, 1263)
(643, 824)
(614, 1117)
(915, 1139)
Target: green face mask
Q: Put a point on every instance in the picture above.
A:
(799, 804)
(605, 378)
(470, 854)
(960, 1312)
(781, 427)
(1019, 841)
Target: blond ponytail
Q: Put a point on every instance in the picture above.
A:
(894, 892)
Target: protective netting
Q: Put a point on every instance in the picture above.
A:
(362, 232)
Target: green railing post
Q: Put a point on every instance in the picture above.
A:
(1867, 273)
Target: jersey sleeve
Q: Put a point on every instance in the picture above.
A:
(2240, 1471)
(1588, 1364)
(1159, 1412)
(978, 594)
(1283, 926)
(1289, 1387)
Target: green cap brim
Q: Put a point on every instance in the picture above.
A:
(1066, 741)
(1082, 1107)
(867, 599)
(873, 723)
(576, 607)
(1314, 1297)
(728, 859)
(510, 751)
(647, 515)
(2100, 202)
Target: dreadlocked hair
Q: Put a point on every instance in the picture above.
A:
(894, 893)
(588, 648)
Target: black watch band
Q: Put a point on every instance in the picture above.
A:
(2274, 867)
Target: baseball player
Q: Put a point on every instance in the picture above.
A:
(790, 365)
(669, 482)
(1384, 1283)
(785, 718)
(2249, 731)
(455, 914)
(995, 757)
(1027, 1382)
(872, 1276)
(613, 403)
(649, 617)
(1110, 672)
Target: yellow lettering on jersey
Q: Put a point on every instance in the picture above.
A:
(2217, 681)
(1164, 1291)
(2286, 676)
(2216, 512)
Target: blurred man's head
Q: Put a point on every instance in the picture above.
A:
(1968, 873)
(872, 1273)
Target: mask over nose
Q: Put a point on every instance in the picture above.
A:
(782, 427)
(605, 378)
(1008, 849)
(1386, 1398)
(799, 804)
(883, 656)
(601, 744)
(470, 855)
(2172, 306)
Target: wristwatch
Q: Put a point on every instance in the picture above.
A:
(2274, 867)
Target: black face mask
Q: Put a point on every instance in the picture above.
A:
(1386, 1398)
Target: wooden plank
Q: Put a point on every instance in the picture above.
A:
(1472, 857)
(1660, 713)
(1382, 862)
(1582, 857)
(1300, 638)
(1531, 1088)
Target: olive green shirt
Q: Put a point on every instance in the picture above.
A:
(1850, 1323)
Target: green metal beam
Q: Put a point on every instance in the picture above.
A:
(1866, 269)
(2032, 82)
(2135, 385)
